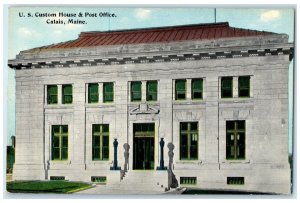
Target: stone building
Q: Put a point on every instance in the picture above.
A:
(98, 107)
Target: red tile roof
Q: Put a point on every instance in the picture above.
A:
(157, 35)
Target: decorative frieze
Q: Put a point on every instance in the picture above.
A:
(154, 59)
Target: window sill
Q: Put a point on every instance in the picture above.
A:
(236, 100)
(198, 101)
(100, 162)
(60, 162)
(59, 106)
(236, 161)
(196, 162)
(99, 105)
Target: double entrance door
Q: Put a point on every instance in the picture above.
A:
(143, 146)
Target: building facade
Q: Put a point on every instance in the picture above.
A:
(201, 106)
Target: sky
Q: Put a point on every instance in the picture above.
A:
(29, 32)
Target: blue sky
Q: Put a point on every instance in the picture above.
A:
(25, 33)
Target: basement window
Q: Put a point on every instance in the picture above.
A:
(57, 177)
(98, 179)
(235, 180)
(188, 180)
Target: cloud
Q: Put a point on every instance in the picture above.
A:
(26, 32)
(142, 13)
(270, 15)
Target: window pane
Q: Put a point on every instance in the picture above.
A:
(183, 146)
(194, 126)
(105, 146)
(244, 86)
(152, 91)
(241, 145)
(97, 141)
(105, 128)
(55, 141)
(180, 89)
(136, 91)
(52, 94)
(65, 141)
(65, 129)
(96, 153)
(64, 153)
(55, 129)
(55, 153)
(197, 88)
(226, 87)
(108, 92)
(96, 128)
(183, 126)
(67, 94)
(93, 93)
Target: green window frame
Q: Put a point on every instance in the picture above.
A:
(188, 140)
(108, 92)
(235, 139)
(244, 86)
(151, 90)
(226, 87)
(51, 94)
(136, 91)
(180, 89)
(197, 88)
(93, 93)
(59, 142)
(67, 94)
(100, 142)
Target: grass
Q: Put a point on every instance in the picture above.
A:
(57, 186)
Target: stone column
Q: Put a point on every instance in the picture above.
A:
(188, 89)
(144, 91)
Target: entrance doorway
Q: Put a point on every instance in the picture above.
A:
(143, 146)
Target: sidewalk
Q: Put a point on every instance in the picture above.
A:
(105, 190)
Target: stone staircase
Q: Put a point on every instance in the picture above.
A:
(141, 182)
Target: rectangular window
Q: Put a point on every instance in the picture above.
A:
(180, 87)
(100, 141)
(59, 142)
(52, 94)
(136, 91)
(152, 91)
(226, 87)
(57, 177)
(189, 141)
(93, 95)
(244, 86)
(188, 180)
(197, 89)
(235, 180)
(235, 139)
(98, 179)
(108, 92)
(67, 92)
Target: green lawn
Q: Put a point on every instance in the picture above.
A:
(56, 186)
